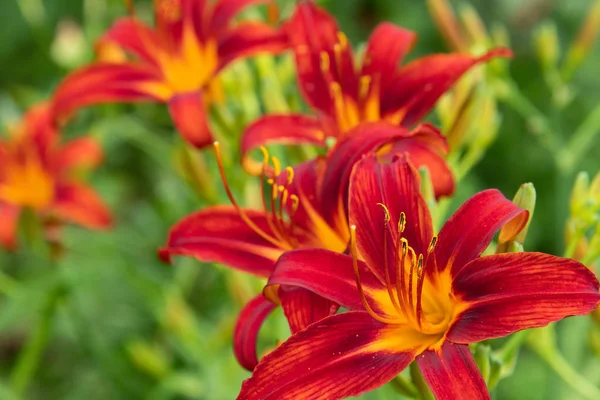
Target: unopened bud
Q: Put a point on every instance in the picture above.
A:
(448, 25)
(149, 358)
(474, 26)
(584, 41)
(511, 238)
(69, 48)
(547, 45)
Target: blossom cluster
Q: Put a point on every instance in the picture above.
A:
(347, 241)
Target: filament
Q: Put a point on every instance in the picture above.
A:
(363, 299)
(388, 281)
(237, 207)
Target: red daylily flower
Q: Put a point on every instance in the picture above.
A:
(177, 62)
(344, 95)
(37, 172)
(416, 296)
(307, 209)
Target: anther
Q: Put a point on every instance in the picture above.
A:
(386, 211)
(325, 62)
(276, 166)
(290, 175)
(402, 222)
(432, 244)
(364, 86)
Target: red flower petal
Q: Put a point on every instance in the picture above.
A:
(343, 355)
(250, 38)
(397, 186)
(329, 275)
(302, 307)
(246, 330)
(189, 116)
(134, 37)
(80, 204)
(505, 293)
(341, 159)
(105, 83)
(310, 45)
(427, 148)
(280, 129)
(225, 10)
(387, 47)
(82, 152)
(218, 234)
(469, 231)
(420, 83)
(452, 374)
(9, 217)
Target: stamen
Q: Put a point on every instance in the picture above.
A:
(410, 279)
(364, 86)
(388, 281)
(290, 175)
(401, 251)
(295, 203)
(276, 166)
(363, 299)
(325, 62)
(402, 222)
(237, 207)
(420, 281)
(343, 40)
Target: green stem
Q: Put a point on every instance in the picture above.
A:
(538, 122)
(543, 342)
(512, 345)
(568, 374)
(29, 358)
(8, 285)
(404, 387)
(420, 384)
(581, 140)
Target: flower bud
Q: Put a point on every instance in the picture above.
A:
(149, 358)
(584, 41)
(511, 238)
(547, 45)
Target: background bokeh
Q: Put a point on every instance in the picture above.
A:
(131, 327)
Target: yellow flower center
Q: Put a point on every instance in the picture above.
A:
(25, 181)
(419, 299)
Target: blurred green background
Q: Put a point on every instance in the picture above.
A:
(128, 326)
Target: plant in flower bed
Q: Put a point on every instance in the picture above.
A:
(351, 267)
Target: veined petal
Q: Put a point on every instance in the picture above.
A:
(246, 330)
(323, 57)
(387, 47)
(134, 37)
(279, 129)
(9, 218)
(225, 10)
(505, 293)
(250, 38)
(188, 111)
(452, 374)
(329, 275)
(417, 86)
(426, 148)
(302, 307)
(470, 230)
(397, 187)
(341, 159)
(105, 83)
(218, 234)
(77, 203)
(340, 356)
(82, 152)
